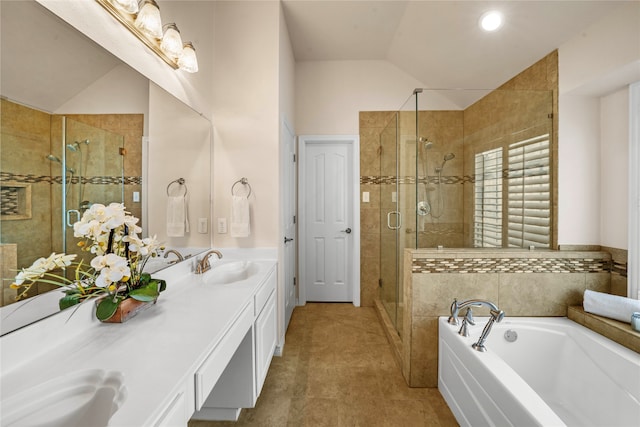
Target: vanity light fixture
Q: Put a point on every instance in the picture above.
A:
(143, 20)
(148, 20)
(171, 43)
(188, 61)
(491, 21)
(127, 6)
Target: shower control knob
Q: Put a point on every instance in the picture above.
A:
(348, 231)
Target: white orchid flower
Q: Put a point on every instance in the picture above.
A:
(112, 268)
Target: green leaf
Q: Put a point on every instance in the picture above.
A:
(145, 278)
(148, 293)
(68, 301)
(161, 284)
(107, 308)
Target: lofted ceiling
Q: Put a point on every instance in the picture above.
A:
(439, 43)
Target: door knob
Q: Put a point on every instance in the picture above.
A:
(287, 240)
(348, 231)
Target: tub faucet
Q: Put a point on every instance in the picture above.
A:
(203, 265)
(468, 320)
(496, 317)
(176, 253)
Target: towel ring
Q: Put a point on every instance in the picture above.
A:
(243, 181)
(180, 182)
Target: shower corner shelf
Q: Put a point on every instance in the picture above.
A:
(16, 201)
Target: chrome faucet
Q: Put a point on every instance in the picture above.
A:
(176, 253)
(203, 265)
(496, 317)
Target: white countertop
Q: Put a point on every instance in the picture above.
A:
(156, 351)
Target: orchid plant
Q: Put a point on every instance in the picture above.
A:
(117, 270)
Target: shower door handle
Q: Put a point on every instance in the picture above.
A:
(398, 220)
(69, 212)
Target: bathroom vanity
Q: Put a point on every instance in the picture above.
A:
(202, 351)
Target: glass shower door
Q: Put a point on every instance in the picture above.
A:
(389, 219)
(92, 172)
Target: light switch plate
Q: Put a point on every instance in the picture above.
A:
(222, 225)
(365, 197)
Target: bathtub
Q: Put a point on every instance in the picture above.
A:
(556, 373)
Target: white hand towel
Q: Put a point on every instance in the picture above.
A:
(177, 221)
(240, 217)
(612, 306)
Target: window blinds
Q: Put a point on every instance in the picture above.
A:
(529, 195)
(488, 199)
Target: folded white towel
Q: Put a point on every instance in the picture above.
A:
(612, 306)
(240, 217)
(177, 218)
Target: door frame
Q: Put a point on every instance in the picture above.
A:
(353, 141)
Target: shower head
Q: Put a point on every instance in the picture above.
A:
(57, 160)
(76, 145)
(447, 157)
(427, 144)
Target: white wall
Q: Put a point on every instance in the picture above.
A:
(246, 115)
(330, 94)
(579, 171)
(598, 63)
(614, 169)
(179, 147)
(120, 91)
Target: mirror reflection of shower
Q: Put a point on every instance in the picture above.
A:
(429, 206)
(68, 170)
(78, 157)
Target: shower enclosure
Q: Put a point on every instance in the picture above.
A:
(57, 166)
(463, 168)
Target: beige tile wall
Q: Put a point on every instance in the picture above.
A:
(23, 127)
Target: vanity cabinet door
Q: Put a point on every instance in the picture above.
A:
(266, 328)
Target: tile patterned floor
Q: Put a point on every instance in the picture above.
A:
(337, 370)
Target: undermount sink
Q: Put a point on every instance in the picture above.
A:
(224, 272)
(78, 399)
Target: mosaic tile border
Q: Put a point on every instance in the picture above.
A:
(510, 265)
(619, 268)
(431, 179)
(391, 179)
(91, 180)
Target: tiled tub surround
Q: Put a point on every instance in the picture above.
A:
(521, 282)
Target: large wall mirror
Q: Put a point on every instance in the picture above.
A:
(81, 127)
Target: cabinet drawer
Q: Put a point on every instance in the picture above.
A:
(214, 365)
(264, 292)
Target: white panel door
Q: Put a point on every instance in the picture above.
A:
(328, 222)
(289, 212)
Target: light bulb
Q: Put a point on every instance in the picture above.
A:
(188, 60)
(127, 6)
(491, 21)
(148, 20)
(171, 43)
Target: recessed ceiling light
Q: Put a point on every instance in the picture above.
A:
(491, 21)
